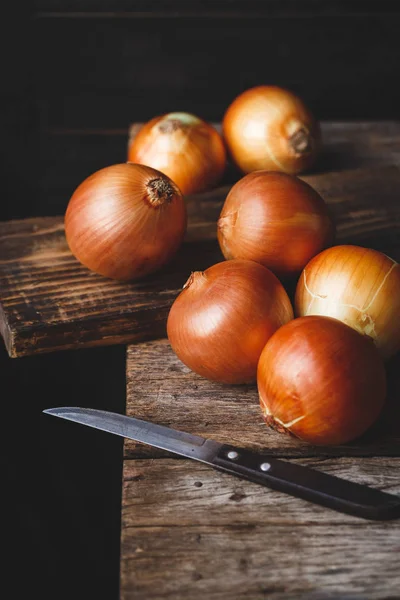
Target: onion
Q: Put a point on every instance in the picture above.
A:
(274, 219)
(267, 127)
(125, 221)
(321, 381)
(358, 286)
(190, 151)
(221, 321)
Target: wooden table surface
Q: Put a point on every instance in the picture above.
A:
(190, 532)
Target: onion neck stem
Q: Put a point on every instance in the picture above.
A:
(195, 278)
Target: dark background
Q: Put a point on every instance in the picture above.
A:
(74, 75)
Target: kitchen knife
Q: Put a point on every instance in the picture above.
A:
(302, 482)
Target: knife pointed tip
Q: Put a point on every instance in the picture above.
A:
(58, 411)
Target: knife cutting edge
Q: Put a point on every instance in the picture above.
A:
(317, 487)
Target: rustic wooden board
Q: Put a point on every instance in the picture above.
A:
(49, 302)
(190, 532)
(161, 389)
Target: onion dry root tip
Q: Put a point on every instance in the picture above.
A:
(160, 191)
(275, 425)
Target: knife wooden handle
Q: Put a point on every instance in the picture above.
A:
(309, 484)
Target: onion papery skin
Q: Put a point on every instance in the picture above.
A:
(222, 319)
(275, 219)
(321, 381)
(184, 147)
(125, 221)
(268, 127)
(359, 286)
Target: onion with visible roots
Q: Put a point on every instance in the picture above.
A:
(321, 381)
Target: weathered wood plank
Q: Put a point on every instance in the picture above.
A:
(161, 389)
(48, 301)
(188, 493)
(190, 532)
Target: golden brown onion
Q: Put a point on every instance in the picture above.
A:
(125, 221)
(268, 127)
(358, 286)
(321, 381)
(220, 322)
(274, 219)
(187, 149)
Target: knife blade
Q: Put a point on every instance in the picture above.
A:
(299, 481)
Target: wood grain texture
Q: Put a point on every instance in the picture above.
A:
(190, 532)
(48, 301)
(161, 389)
